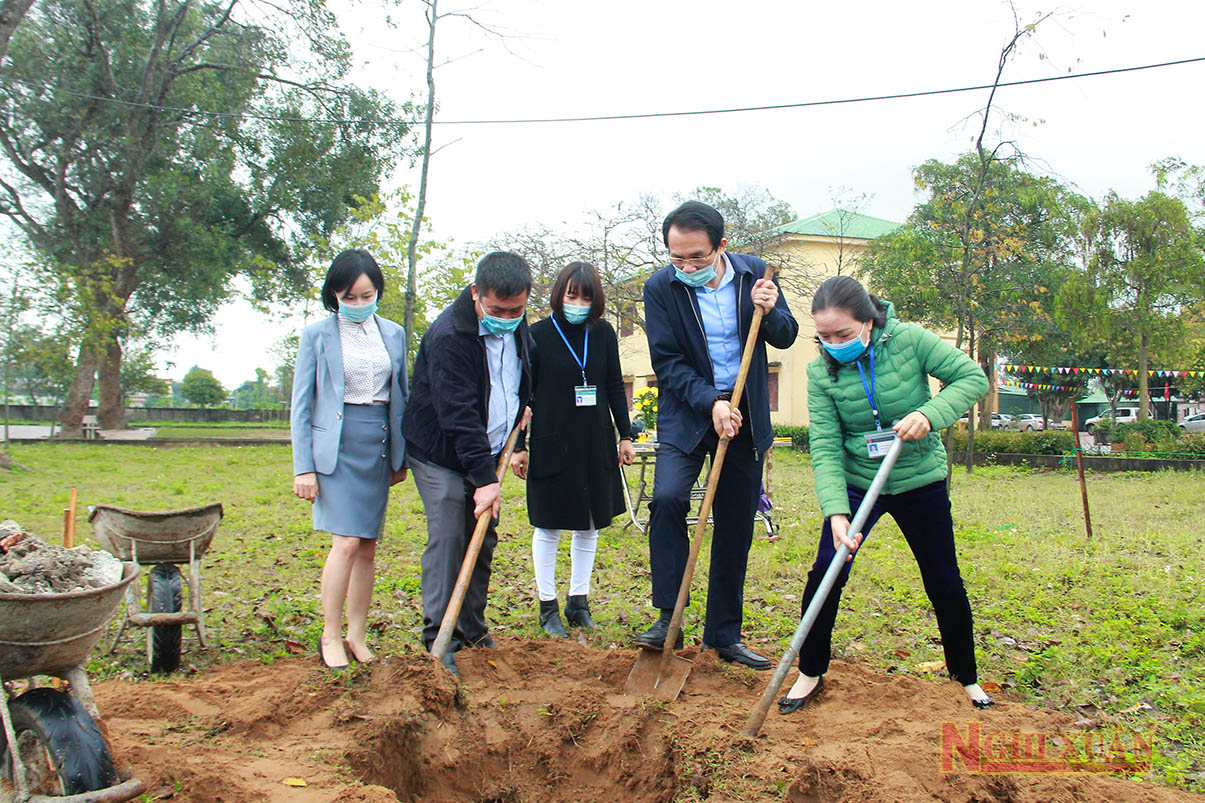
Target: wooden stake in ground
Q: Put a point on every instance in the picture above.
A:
(1079, 463)
(69, 522)
(439, 647)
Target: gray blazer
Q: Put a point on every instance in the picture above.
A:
(317, 415)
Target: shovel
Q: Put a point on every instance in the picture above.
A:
(664, 674)
(439, 647)
(758, 715)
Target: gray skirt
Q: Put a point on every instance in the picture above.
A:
(352, 498)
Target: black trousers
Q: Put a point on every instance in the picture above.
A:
(923, 515)
(733, 509)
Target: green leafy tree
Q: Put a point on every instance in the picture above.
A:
(157, 150)
(11, 12)
(992, 283)
(256, 394)
(42, 365)
(1145, 269)
(284, 352)
(201, 388)
(139, 373)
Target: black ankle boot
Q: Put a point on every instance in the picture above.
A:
(654, 637)
(550, 619)
(577, 612)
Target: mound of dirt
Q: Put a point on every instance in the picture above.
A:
(548, 721)
(29, 565)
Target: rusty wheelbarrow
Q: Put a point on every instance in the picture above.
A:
(51, 750)
(160, 540)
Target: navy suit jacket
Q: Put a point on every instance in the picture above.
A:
(317, 415)
(678, 348)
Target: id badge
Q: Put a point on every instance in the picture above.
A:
(878, 443)
(586, 395)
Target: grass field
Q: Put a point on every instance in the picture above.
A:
(1112, 629)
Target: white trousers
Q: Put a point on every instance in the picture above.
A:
(581, 561)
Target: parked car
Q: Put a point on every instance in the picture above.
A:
(1194, 423)
(1125, 415)
(1027, 422)
(998, 419)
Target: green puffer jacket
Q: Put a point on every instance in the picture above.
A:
(905, 356)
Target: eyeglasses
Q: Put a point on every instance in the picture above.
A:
(695, 262)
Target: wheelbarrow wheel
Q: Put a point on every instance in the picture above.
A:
(165, 597)
(60, 746)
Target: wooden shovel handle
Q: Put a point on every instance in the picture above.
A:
(440, 646)
(713, 477)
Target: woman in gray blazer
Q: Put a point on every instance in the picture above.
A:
(349, 391)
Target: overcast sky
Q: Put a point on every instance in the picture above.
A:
(568, 58)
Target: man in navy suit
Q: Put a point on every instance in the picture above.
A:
(472, 379)
(698, 310)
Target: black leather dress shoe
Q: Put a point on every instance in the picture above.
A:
(485, 643)
(788, 705)
(739, 653)
(985, 703)
(654, 637)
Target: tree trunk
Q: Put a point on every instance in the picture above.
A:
(1144, 380)
(111, 414)
(987, 406)
(79, 396)
(421, 202)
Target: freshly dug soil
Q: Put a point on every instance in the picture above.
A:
(29, 565)
(548, 721)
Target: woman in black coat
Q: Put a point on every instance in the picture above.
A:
(578, 403)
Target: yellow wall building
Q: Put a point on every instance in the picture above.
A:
(810, 250)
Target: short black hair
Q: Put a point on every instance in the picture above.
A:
(582, 277)
(695, 216)
(503, 273)
(345, 269)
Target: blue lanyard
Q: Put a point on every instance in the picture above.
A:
(585, 348)
(874, 408)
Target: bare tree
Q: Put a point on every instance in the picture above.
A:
(973, 206)
(433, 16)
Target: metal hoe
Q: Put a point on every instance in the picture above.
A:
(758, 715)
(665, 675)
(439, 647)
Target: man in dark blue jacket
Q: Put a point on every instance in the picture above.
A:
(472, 379)
(697, 312)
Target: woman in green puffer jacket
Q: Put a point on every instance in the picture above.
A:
(873, 376)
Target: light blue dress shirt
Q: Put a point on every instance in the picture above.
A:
(720, 324)
(502, 359)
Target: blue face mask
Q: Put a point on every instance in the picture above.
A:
(576, 313)
(697, 279)
(500, 326)
(358, 313)
(848, 351)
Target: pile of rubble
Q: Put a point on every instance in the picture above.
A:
(29, 565)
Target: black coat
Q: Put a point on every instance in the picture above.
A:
(573, 468)
(448, 409)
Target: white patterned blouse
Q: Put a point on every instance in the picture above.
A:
(366, 363)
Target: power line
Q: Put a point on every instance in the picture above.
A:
(641, 116)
